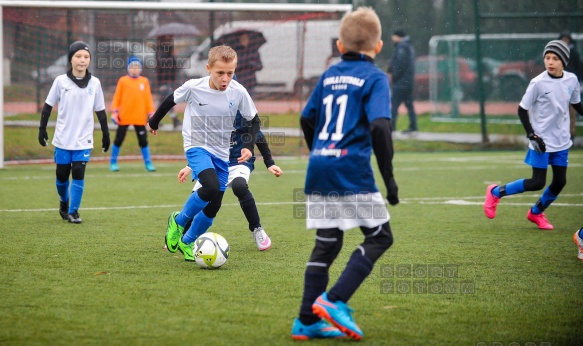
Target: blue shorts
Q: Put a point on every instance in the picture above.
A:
(543, 160)
(200, 159)
(65, 157)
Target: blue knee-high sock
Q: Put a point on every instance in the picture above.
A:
(194, 204)
(315, 283)
(114, 154)
(146, 154)
(77, 187)
(511, 188)
(63, 190)
(200, 224)
(357, 269)
(543, 203)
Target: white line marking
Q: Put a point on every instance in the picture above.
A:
(428, 200)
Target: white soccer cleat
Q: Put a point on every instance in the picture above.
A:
(261, 239)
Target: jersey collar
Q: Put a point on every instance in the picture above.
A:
(355, 56)
(81, 83)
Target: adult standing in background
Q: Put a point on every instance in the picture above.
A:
(402, 73)
(249, 62)
(166, 71)
(574, 66)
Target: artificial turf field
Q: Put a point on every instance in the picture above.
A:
(452, 277)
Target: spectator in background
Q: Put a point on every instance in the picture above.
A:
(249, 62)
(574, 66)
(402, 73)
(166, 71)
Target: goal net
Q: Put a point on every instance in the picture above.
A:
(295, 43)
(448, 76)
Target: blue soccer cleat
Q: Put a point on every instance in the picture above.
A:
(339, 314)
(318, 330)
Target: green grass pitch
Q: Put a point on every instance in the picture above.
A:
(452, 277)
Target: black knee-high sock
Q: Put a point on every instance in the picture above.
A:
(357, 269)
(315, 283)
(250, 210)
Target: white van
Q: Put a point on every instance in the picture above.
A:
(291, 47)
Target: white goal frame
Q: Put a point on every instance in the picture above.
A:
(141, 5)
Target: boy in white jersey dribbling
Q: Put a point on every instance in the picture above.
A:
(544, 113)
(78, 95)
(212, 105)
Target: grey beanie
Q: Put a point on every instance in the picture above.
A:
(77, 46)
(560, 48)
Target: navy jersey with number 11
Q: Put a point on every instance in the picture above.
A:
(346, 100)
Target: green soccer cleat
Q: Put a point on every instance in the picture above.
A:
(186, 249)
(173, 233)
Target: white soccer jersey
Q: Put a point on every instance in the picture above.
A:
(75, 122)
(210, 114)
(547, 100)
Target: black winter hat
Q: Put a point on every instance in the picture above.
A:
(560, 48)
(77, 46)
(565, 33)
(400, 33)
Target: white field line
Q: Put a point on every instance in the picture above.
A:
(261, 171)
(470, 200)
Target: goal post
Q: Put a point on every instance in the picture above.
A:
(35, 36)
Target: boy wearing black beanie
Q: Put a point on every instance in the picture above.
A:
(78, 94)
(544, 113)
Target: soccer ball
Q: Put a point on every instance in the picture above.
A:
(211, 250)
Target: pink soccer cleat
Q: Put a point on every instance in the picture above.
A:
(491, 202)
(540, 220)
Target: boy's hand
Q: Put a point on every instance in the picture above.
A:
(183, 174)
(105, 142)
(275, 171)
(152, 131)
(537, 143)
(115, 117)
(246, 154)
(393, 192)
(43, 137)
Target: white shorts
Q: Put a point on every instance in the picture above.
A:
(234, 172)
(346, 212)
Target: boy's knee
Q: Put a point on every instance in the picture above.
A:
(210, 184)
(240, 187)
(534, 184)
(213, 207)
(377, 242)
(63, 172)
(78, 170)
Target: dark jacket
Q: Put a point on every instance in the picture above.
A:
(166, 68)
(574, 64)
(402, 67)
(248, 62)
